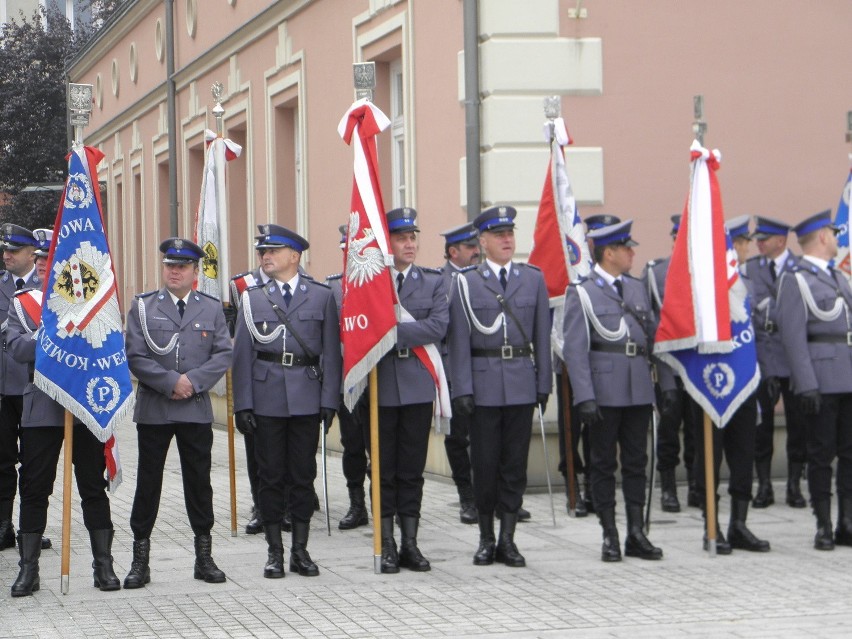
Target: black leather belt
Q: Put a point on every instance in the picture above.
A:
(831, 339)
(631, 349)
(288, 359)
(505, 352)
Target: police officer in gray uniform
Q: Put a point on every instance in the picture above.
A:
(815, 320)
(42, 436)
(286, 380)
(461, 248)
(764, 271)
(178, 347)
(685, 411)
(407, 394)
(18, 256)
(351, 433)
(609, 329)
(500, 369)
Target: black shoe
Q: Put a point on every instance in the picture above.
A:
(7, 534)
(274, 568)
(255, 525)
(409, 554)
(316, 502)
(357, 514)
(693, 498)
(507, 552)
(579, 504)
(300, 560)
(668, 492)
(484, 555)
(205, 567)
(587, 495)
(140, 573)
(46, 543)
(27, 582)
(765, 496)
(739, 536)
(390, 556)
(823, 539)
(467, 506)
(523, 515)
(103, 574)
(723, 547)
(610, 549)
(843, 532)
(795, 499)
(637, 544)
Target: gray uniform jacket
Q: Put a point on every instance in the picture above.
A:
(654, 278)
(770, 351)
(610, 378)
(39, 409)
(825, 366)
(203, 352)
(270, 388)
(404, 380)
(492, 380)
(14, 376)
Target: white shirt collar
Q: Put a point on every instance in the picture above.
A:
(494, 266)
(25, 277)
(293, 282)
(404, 272)
(609, 279)
(175, 298)
(821, 263)
(781, 260)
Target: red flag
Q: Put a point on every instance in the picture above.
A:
(559, 243)
(367, 317)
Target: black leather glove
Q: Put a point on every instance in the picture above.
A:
(230, 317)
(245, 422)
(773, 388)
(541, 400)
(464, 405)
(669, 403)
(326, 417)
(809, 403)
(590, 414)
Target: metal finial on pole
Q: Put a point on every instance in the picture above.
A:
(699, 126)
(364, 75)
(849, 126)
(218, 111)
(79, 109)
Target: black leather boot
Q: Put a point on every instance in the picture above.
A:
(668, 492)
(300, 560)
(140, 573)
(286, 520)
(507, 552)
(390, 557)
(29, 545)
(205, 567)
(739, 536)
(102, 571)
(823, 540)
(765, 496)
(484, 555)
(723, 547)
(7, 534)
(409, 554)
(255, 525)
(467, 506)
(357, 514)
(795, 499)
(579, 504)
(694, 498)
(843, 532)
(637, 544)
(611, 548)
(274, 568)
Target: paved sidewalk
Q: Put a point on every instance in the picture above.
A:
(566, 590)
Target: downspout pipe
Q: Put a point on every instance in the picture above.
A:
(171, 115)
(471, 107)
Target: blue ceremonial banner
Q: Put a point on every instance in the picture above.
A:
(80, 357)
(842, 222)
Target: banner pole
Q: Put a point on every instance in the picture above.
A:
(375, 479)
(710, 485)
(232, 458)
(66, 502)
(569, 443)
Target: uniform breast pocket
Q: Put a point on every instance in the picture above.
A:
(826, 303)
(161, 329)
(418, 308)
(524, 305)
(310, 323)
(609, 319)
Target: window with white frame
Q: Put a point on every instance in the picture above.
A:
(397, 117)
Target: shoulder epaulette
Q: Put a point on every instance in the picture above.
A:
(578, 281)
(472, 267)
(754, 258)
(532, 266)
(148, 294)
(256, 285)
(207, 295)
(629, 276)
(654, 262)
(313, 281)
(336, 276)
(429, 269)
(236, 277)
(24, 291)
(307, 276)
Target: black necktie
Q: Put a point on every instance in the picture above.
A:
(19, 283)
(619, 288)
(503, 280)
(772, 271)
(287, 295)
(181, 307)
(400, 278)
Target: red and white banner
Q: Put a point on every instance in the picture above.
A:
(211, 221)
(367, 316)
